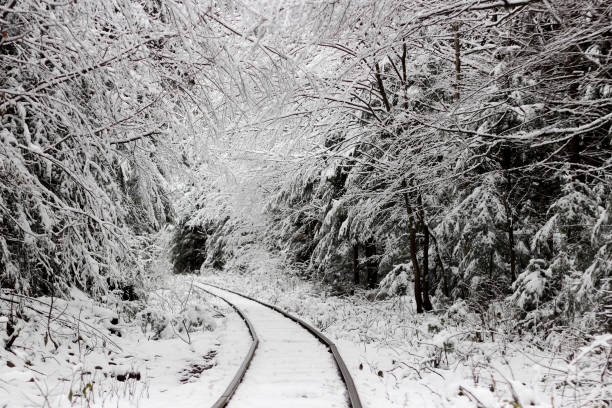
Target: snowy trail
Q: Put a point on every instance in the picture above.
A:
(291, 368)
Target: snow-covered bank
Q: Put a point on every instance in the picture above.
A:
(450, 359)
(180, 349)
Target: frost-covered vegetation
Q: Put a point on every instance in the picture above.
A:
(82, 84)
(149, 352)
(453, 155)
(463, 148)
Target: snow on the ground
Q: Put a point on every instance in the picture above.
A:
(291, 368)
(445, 359)
(104, 355)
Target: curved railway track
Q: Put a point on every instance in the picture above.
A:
(290, 363)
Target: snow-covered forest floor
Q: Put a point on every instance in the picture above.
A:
(450, 358)
(131, 354)
(179, 349)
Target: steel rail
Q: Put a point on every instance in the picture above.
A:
(233, 385)
(353, 395)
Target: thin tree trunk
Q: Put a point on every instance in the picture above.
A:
(413, 253)
(441, 264)
(381, 88)
(372, 273)
(457, 46)
(404, 63)
(426, 302)
(356, 264)
(511, 248)
(510, 229)
(425, 272)
(404, 77)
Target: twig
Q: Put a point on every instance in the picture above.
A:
(471, 396)
(98, 332)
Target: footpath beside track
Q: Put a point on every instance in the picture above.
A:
(290, 363)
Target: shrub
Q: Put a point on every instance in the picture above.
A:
(188, 250)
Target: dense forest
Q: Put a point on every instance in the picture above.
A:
(464, 148)
(457, 150)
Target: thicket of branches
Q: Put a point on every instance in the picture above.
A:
(475, 152)
(96, 99)
(463, 144)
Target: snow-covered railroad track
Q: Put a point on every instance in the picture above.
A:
(294, 366)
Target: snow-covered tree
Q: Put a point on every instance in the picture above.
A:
(93, 96)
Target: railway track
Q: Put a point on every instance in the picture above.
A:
(290, 363)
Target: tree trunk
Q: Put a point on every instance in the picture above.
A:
(510, 229)
(511, 248)
(356, 264)
(457, 46)
(426, 302)
(441, 264)
(381, 88)
(372, 272)
(425, 272)
(413, 252)
(404, 53)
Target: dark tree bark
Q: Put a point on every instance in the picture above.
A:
(457, 46)
(426, 302)
(506, 162)
(381, 88)
(425, 272)
(510, 229)
(445, 288)
(356, 264)
(404, 53)
(372, 269)
(413, 252)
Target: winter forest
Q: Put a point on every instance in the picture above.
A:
(427, 185)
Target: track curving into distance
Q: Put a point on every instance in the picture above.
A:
(290, 364)
(233, 385)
